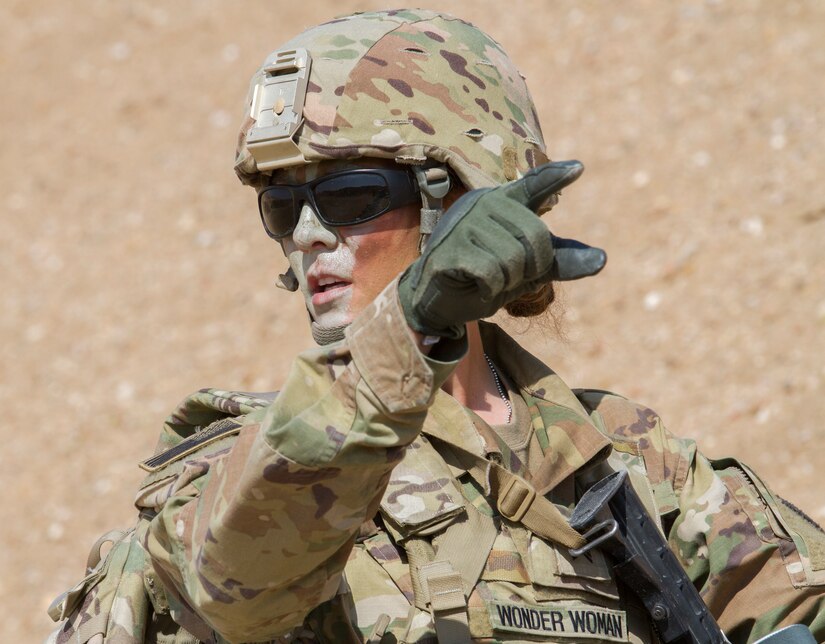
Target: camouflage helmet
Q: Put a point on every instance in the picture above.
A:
(409, 85)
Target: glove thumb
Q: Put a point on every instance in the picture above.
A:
(574, 260)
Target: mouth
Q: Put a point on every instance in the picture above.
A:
(327, 284)
(327, 288)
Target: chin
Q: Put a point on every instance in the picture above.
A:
(334, 313)
(332, 320)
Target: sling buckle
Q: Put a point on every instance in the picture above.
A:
(516, 498)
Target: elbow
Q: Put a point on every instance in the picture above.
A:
(203, 599)
(242, 621)
(246, 613)
(236, 613)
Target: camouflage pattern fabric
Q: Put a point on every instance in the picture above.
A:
(110, 604)
(273, 538)
(411, 85)
(293, 528)
(122, 599)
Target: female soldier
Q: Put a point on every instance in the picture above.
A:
(377, 498)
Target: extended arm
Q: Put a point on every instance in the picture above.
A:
(267, 538)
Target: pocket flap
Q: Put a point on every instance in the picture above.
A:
(555, 570)
(422, 492)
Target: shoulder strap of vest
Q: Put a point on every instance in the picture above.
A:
(518, 501)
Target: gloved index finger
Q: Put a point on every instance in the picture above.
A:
(535, 187)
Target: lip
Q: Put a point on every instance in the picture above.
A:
(325, 287)
(321, 298)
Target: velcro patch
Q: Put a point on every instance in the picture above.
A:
(578, 621)
(215, 431)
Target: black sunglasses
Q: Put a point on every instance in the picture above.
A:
(343, 198)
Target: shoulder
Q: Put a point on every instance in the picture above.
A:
(618, 416)
(205, 407)
(636, 427)
(204, 425)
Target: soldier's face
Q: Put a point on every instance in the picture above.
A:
(341, 270)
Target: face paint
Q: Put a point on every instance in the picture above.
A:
(341, 270)
(324, 266)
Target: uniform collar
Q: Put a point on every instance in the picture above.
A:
(569, 440)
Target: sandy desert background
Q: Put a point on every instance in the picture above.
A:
(136, 269)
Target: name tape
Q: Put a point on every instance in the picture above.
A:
(562, 620)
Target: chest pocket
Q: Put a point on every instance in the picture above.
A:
(421, 501)
(558, 575)
(422, 497)
(524, 559)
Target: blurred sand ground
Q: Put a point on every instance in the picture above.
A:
(136, 271)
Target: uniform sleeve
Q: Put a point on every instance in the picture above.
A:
(758, 562)
(267, 538)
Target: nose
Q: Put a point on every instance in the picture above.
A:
(310, 233)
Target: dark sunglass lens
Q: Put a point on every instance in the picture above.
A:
(277, 211)
(351, 198)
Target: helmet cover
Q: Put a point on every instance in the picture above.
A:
(408, 85)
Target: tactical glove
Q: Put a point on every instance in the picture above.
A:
(488, 249)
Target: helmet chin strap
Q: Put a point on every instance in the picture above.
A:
(434, 184)
(327, 335)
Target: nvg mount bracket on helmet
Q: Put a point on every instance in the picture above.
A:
(277, 107)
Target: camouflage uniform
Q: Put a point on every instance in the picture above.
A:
(307, 518)
(275, 536)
